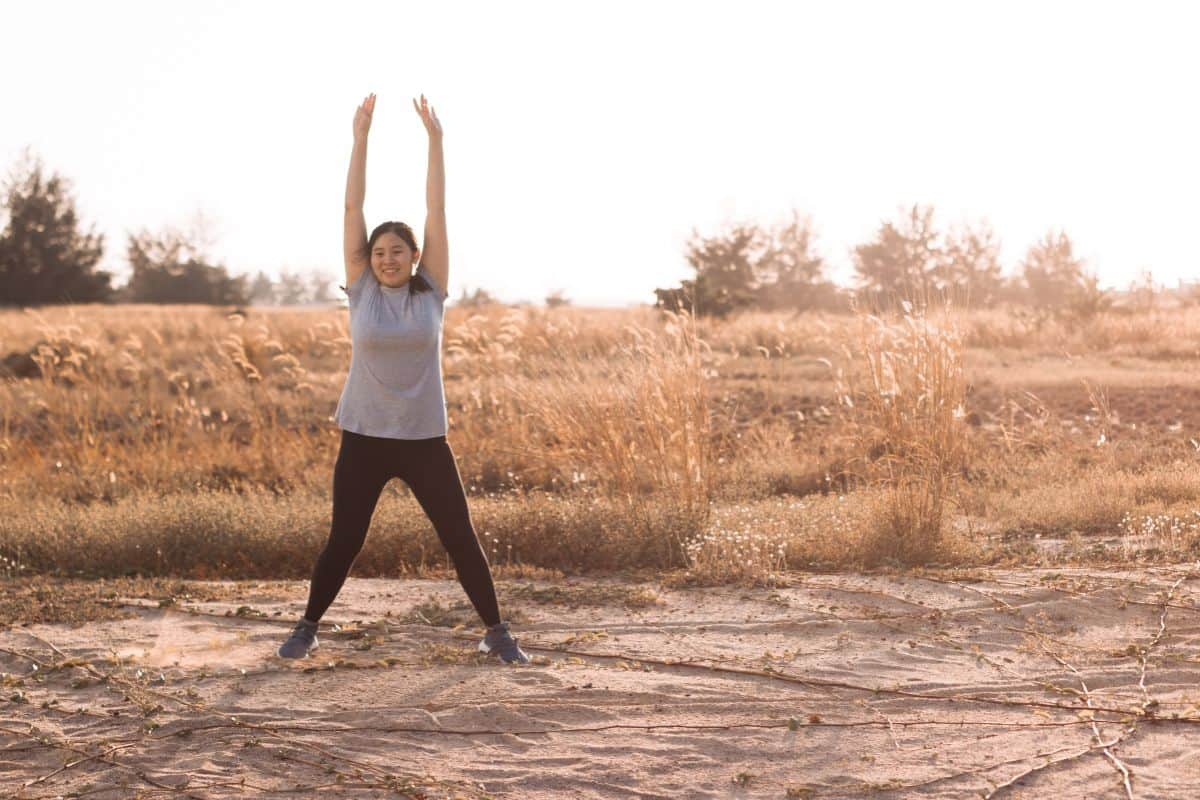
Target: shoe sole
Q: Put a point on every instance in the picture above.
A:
(295, 658)
(310, 651)
(483, 648)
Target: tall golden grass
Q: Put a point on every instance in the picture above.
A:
(557, 402)
(192, 440)
(907, 417)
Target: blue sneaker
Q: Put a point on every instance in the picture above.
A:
(302, 641)
(498, 640)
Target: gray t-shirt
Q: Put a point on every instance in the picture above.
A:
(394, 388)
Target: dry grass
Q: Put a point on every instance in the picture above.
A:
(190, 441)
(907, 417)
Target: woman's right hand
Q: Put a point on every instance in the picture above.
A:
(362, 117)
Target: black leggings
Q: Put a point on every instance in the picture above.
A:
(364, 465)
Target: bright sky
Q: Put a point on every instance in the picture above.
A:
(583, 143)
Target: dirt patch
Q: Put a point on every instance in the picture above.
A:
(75, 601)
(1149, 408)
(1006, 683)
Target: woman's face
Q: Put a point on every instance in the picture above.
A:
(392, 260)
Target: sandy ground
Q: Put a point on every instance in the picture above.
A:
(1014, 683)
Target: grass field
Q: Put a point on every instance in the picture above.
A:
(193, 442)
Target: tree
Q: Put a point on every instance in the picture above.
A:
(479, 297)
(557, 298)
(169, 268)
(1057, 279)
(789, 271)
(262, 290)
(900, 263)
(44, 258)
(291, 289)
(318, 288)
(726, 277)
(1143, 294)
(969, 270)
(789, 256)
(746, 265)
(678, 298)
(1012, 291)
(910, 259)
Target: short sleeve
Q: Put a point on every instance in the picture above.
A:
(438, 291)
(356, 289)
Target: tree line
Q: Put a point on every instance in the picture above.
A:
(46, 258)
(909, 260)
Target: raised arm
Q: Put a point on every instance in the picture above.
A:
(435, 253)
(355, 238)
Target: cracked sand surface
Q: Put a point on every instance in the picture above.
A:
(946, 685)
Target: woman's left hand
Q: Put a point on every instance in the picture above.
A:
(429, 117)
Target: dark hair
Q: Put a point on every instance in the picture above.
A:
(416, 283)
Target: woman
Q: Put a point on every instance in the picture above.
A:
(392, 411)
